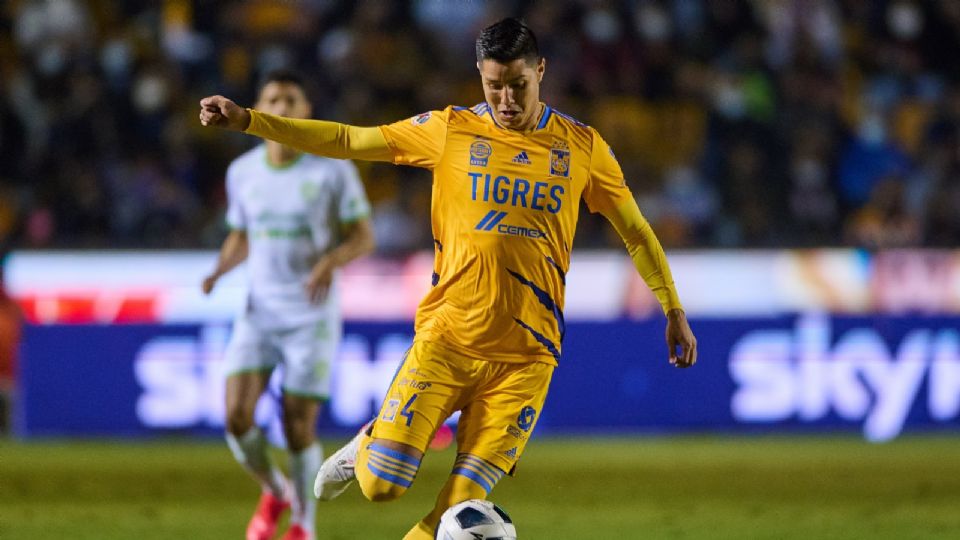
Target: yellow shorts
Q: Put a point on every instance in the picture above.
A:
(499, 402)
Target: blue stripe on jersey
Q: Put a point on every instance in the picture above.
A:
(570, 118)
(541, 339)
(494, 221)
(545, 301)
(459, 108)
(563, 275)
(485, 219)
(402, 362)
(480, 108)
(545, 118)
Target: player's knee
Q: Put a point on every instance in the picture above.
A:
(377, 489)
(297, 440)
(239, 420)
(384, 474)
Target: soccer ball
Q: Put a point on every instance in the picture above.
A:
(476, 519)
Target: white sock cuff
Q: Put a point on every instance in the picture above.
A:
(252, 440)
(315, 449)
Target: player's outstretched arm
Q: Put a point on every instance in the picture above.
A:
(233, 252)
(358, 241)
(651, 262)
(330, 139)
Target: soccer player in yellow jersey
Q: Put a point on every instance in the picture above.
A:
(508, 176)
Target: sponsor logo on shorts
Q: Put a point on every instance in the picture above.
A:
(526, 417)
(413, 383)
(515, 431)
(511, 453)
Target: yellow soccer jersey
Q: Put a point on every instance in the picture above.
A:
(504, 212)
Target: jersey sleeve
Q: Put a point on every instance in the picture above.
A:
(236, 218)
(606, 188)
(418, 141)
(352, 203)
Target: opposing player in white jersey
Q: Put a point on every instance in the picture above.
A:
(294, 218)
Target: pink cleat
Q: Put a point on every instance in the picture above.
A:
(264, 521)
(296, 532)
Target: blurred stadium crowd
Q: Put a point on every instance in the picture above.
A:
(738, 123)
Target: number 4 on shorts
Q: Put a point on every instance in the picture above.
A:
(406, 412)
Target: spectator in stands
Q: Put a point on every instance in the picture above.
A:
(715, 90)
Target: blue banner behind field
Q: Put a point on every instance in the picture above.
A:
(809, 372)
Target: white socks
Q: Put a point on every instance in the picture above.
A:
(251, 450)
(303, 469)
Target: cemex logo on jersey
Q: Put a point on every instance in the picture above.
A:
(493, 218)
(805, 374)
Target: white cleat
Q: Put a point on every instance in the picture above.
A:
(337, 472)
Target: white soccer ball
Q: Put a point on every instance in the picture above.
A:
(476, 519)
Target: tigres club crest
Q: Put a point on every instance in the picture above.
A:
(560, 158)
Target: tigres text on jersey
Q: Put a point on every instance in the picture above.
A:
(504, 212)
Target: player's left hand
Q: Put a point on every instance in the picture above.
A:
(680, 335)
(320, 279)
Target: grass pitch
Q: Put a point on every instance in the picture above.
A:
(598, 489)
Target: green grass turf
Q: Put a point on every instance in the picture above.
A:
(598, 489)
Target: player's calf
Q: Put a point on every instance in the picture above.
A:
(384, 473)
(471, 478)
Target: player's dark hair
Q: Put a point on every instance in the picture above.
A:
(286, 76)
(507, 40)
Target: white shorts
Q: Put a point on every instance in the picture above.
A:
(305, 352)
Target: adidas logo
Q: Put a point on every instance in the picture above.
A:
(511, 452)
(522, 158)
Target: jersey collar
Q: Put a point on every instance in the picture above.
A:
(483, 111)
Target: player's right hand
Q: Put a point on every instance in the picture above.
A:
(209, 283)
(220, 112)
(680, 336)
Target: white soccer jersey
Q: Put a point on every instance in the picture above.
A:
(292, 216)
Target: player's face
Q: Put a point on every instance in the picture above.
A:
(284, 99)
(513, 91)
